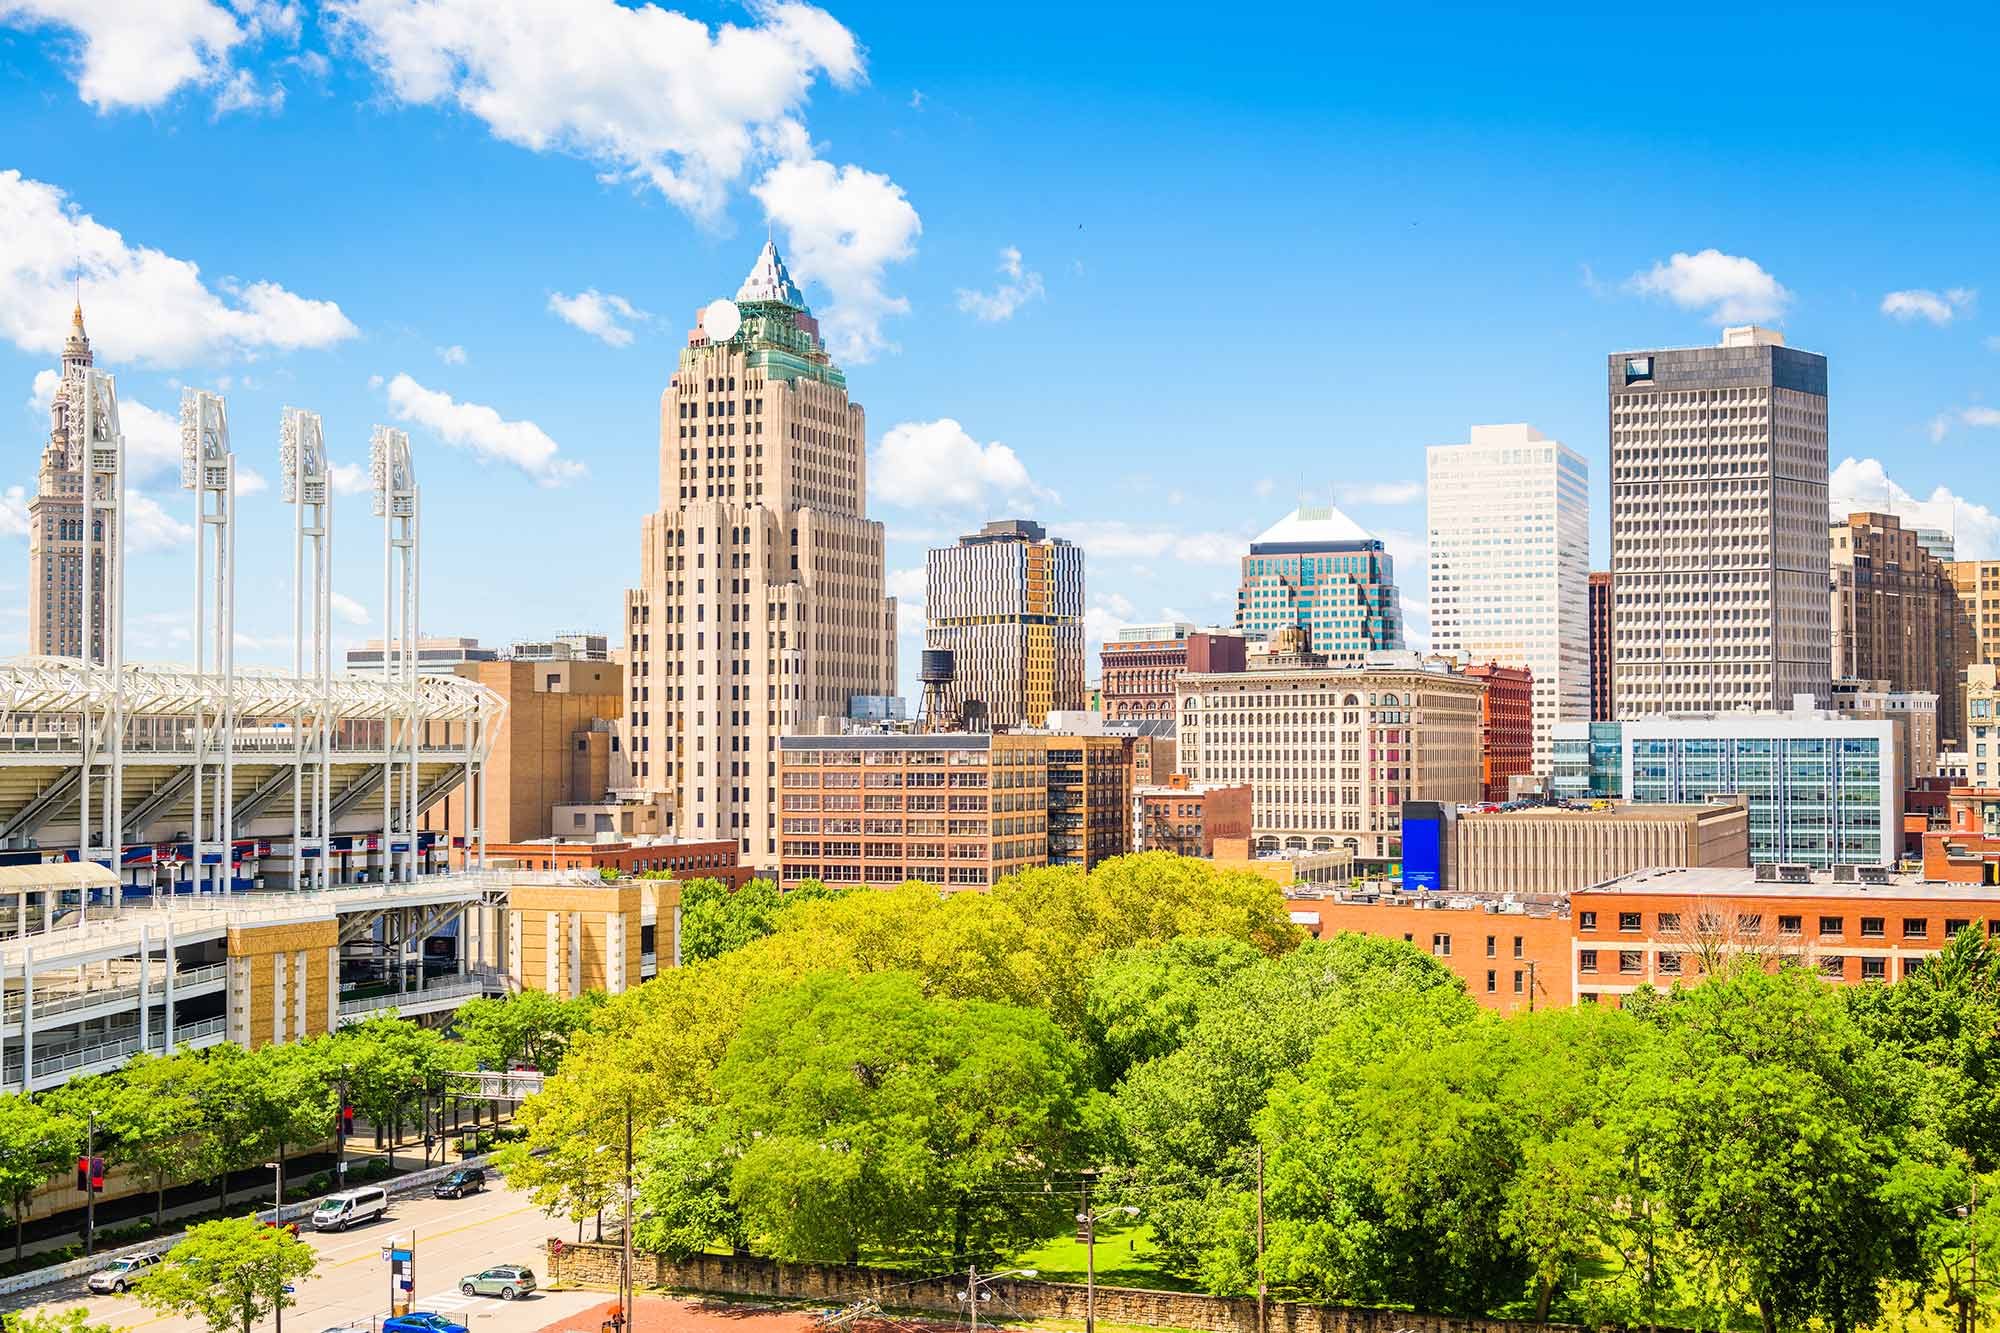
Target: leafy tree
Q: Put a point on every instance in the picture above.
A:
(867, 1115)
(280, 1097)
(1945, 1015)
(1142, 999)
(37, 1141)
(47, 1319)
(385, 1061)
(716, 919)
(230, 1273)
(684, 1195)
(529, 1027)
(154, 1112)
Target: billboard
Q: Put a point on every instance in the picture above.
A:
(1426, 827)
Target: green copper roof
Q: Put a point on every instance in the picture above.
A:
(779, 334)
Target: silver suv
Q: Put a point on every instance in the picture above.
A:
(122, 1273)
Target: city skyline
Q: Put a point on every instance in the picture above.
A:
(526, 354)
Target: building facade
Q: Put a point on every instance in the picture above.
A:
(1718, 513)
(1893, 611)
(1509, 518)
(1332, 753)
(1317, 570)
(760, 605)
(1142, 662)
(1506, 726)
(959, 810)
(1982, 724)
(1603, 699)
(1822, 789)
(1007, 601)
(1914, 713)
(437, 655)
(56, 542)
(1549, 849)
(1589, 762)
(1509, 957)
(1187, 818)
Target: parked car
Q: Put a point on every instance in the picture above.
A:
(466, 1180)
(122, 1273)
(338, 1212)
(421, 1321)
(508, 1282)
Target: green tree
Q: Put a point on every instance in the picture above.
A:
(37, 1141)
(1142, 999)
(529, 1027)
(46, 1319)
(230, 1273)
(281, 1097)
(716, 919)
(1945, 1015)
(154, 1111)
(866, 1115)
(386, 1061)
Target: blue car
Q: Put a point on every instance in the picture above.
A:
(422, 1321)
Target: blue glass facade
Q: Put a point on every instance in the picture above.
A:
(1344, 593)
(1813, 800)
(1589, 761)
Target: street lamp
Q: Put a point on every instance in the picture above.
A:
(973, 1282)
(1088, 1220)
(277, 1170)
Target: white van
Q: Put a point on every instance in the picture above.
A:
(337, 1212)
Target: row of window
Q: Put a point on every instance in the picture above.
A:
(1752, 924)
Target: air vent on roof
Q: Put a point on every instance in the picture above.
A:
(1846, 875)
(1766, 873)
(1874, 874)
(1795, 874)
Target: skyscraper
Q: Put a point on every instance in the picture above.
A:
(1510, 564)
(1007, 601)
(1895, 615)
(1718, 513)
(1602, 703)
(55, 522)
(1316, 569)
(760, 606)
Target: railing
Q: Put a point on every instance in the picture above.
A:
(475, 984)
(185, 979)
(117, 1050)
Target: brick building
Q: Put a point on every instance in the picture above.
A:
(1143, 662)
(1509, 959)
(960, 810)
(1187, 817)
(1894, 612)
(1506, 726)
(683, 860)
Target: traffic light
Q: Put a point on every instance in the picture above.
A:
(90, 1175)
(347, 1120)
(82, 1174)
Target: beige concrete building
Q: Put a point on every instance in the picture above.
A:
(1553, 850)
(570, 939)
(281, 981)
(960, 810)
(1982, 724)
(56, 545)
(760, 604)
(1334, 752)
(1915, 713)
(1894, 612)
(1718, 526)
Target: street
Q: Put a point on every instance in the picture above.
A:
(454, 1237)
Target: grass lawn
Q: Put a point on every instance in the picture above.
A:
(1125, 1258)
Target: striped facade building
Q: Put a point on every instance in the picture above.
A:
(1317, 570)
(1007, 601)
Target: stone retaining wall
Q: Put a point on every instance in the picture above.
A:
(596, 1264)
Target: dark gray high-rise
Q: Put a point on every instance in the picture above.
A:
(1718, 526)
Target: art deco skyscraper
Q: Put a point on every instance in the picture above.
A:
(1510, 565)
(760, 608)
(55, 521)
(1008, 602)
(1718, 526)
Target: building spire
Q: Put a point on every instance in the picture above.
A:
(769, 280)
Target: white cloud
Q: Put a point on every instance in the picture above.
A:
(1264, 487)
(1100, 623)
(134, 54)
(140, 304)
(249, 481)
(152, 439)
(1863, 484)
(1382, 493)
(1921, 303)
(597, 314)
(14, 512)
(491, 437)
(349, 610)
(151, 527)
(349, 479)
(909, 587)
(1732, 289)
(935, 463)
(453, 355)
(1021, 287)
(42, 396)
(1115, 539)
(1980, 416)
(843, 226)
(1941, 424)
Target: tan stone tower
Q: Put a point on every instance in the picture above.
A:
(55, 520)
(760, 608)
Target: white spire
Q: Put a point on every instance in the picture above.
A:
(769, 280)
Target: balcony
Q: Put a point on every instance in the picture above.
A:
(186, 981)
(440, 994)
(60, 1064)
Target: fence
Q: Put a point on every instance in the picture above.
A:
(75, 1268)
(595, 1264)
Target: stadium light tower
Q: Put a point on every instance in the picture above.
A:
(399, 503)
(102, 637)
(208, 468)
(302, 463)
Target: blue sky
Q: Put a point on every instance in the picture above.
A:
(1162, 269)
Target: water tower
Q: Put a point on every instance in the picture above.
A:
(937, 669)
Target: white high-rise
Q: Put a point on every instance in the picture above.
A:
(1510, 564)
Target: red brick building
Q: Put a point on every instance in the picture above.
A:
(1602, 705)
(1507, 725)
(1140, 671)
(1507, 960)
(1187, 817)
(685, 860)
(1967, 849)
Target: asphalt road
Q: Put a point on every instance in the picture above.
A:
(454, 1237)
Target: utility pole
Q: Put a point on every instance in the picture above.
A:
(972, 1294)
(625, 1283)
(1531, 985)
(1089, 1259)
(1972, 1240)
(277, 1204)
(340, 1133)
(1261, 1288)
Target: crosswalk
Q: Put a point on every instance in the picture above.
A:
(449, 1301)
